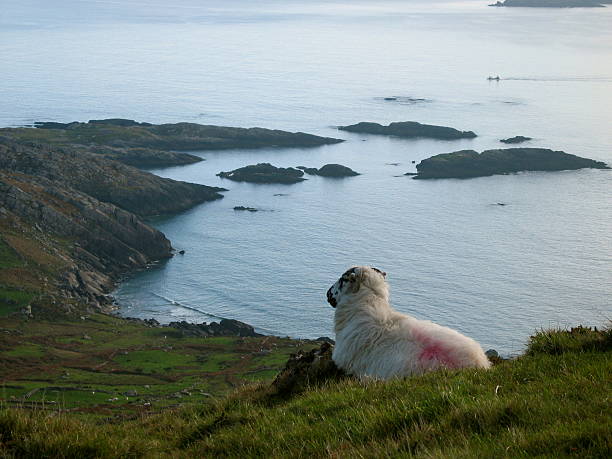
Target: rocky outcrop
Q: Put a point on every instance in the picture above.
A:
(551, 3)
(516, 139)
(330, 170)
(137, 191)
(226, 327)
(145, 158)
(243, 208)
(469, 163)
(264, 173)
(410, 129)
(306, 369)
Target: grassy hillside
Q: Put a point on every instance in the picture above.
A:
(104, 367)
(554, 401)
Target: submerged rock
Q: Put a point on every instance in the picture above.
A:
(264, 173)
(243, 208)
(410, 129)
(469, 163)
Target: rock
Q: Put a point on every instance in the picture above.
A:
(309, 170)
(243, 208)
(306, 369)
(336, 170)
(86, 337)
(468, 163)
(410, 129)
(550, 3)
(326, 339)
(226, 327)
(264, 173)
(131, 393)
(494, 357)
(181, 252)
(516, 139)
(330, 170)
(390, 98)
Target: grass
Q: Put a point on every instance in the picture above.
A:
(552, 402)
(12, 300)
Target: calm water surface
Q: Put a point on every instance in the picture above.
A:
(452, 254)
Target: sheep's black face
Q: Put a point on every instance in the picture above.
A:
(350, 282)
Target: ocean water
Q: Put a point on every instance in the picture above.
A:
(496, 273)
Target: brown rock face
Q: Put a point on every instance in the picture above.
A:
(306, 369)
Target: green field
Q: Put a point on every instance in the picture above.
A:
(554, 401)
(105, 366)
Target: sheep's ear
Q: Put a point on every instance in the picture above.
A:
(356, 277)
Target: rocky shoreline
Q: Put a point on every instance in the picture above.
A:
(150, 145)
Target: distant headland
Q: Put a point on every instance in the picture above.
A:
(553, 3)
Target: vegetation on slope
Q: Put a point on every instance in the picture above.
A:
(553, 401)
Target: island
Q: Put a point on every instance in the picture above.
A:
(409, 129)
(264, 173)
(150, 145)
(469, 163)
(516, 139)
(552, 3)
(330, 170)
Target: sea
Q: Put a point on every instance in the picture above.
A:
(453, 253)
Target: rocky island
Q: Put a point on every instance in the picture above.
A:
(410, 129)
(150, 145)
(552, 3)
(330, 170)
(264, 173)
(469, 163)
(516, 139)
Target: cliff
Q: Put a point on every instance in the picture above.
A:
(70, 223)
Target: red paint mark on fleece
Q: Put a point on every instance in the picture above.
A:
(434, 351)
(439, 353)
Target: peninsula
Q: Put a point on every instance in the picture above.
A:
(410, 130)
(151, 145)
(469, 163)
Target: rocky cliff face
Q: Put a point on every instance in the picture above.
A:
(88, 244)
(71, 218)
(134, 190)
